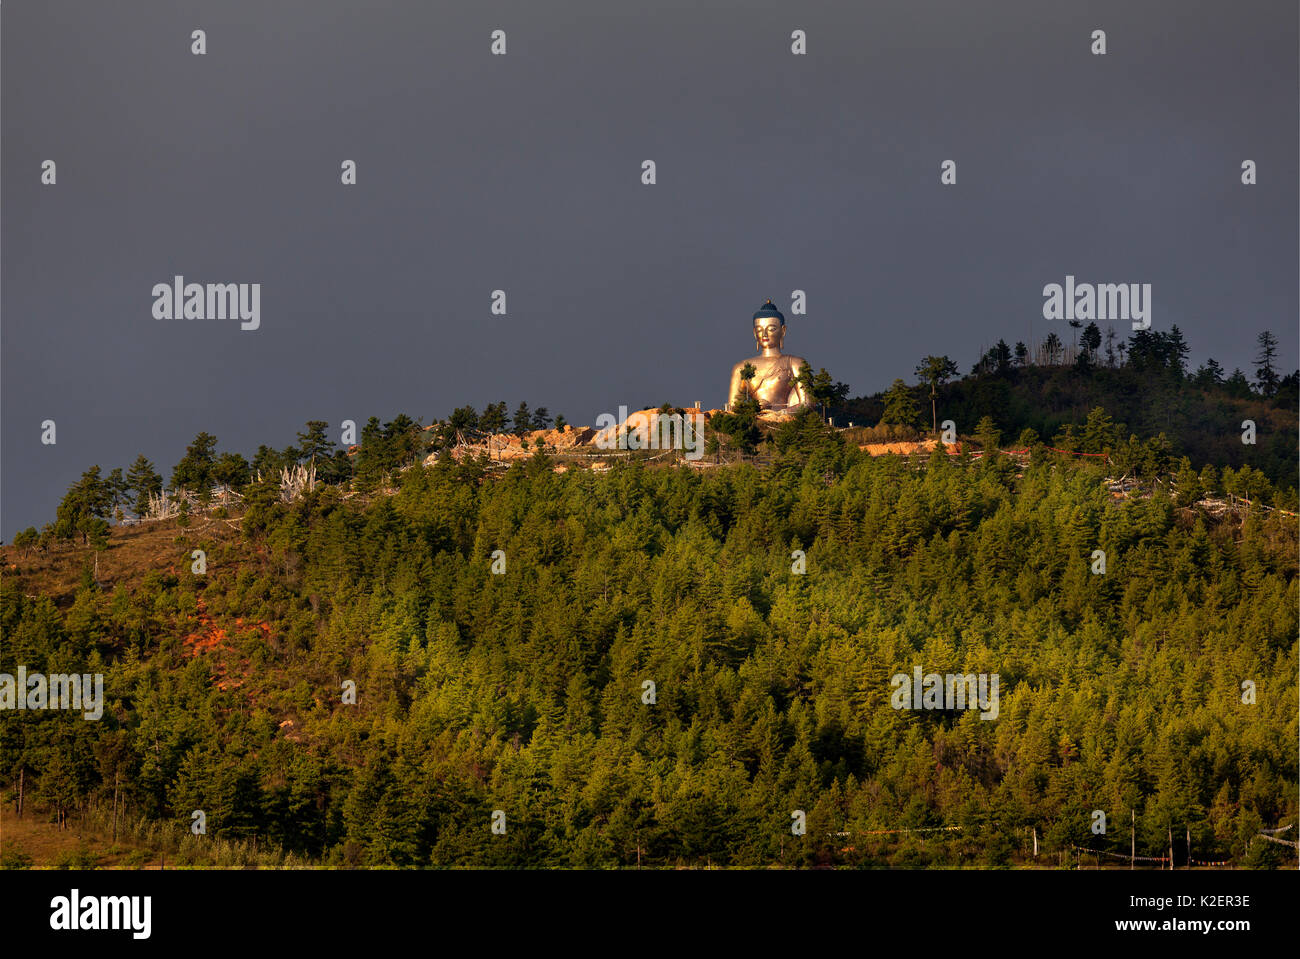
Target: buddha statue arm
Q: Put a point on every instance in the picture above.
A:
(735, 386)
(798, 397)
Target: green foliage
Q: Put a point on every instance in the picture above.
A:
(143, 481)
(819, 387)
(987, 434)
(900, 405)
(523, 691)
(495, 419)
(195, 470)
(1141, 387)
(15, 859)
(26, 539)
(1266, 376)
(80, 858)
(84, 509)
(936, 371)
(231, 470)
(740, 425)
(314, 443)
(387, 448)
(523, 419)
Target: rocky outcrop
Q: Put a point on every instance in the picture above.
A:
(641, 424)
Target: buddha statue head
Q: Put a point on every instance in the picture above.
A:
(769, 329)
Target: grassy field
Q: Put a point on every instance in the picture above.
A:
(133, 551)
(37, 837)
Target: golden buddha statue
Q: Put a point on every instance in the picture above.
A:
(775, 383)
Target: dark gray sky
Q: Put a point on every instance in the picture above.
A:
(478, 172)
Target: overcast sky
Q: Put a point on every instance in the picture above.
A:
(522, 173)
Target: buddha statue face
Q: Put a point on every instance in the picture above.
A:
(769, 334)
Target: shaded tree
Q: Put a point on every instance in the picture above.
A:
(232, 471)
(314, 443)
(1266, 377)
(1092, 339)
(495, 418)
(194, 471)
(1052, 346)
(84, 508)
(26, 539)
(937, 370)
(143, 480)
(1237, 385)
(1209, 375)
(523, 419)
(900, 405)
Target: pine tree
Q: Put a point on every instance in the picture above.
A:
(84, 508)
(987, 434)
(523, 421)
(404, 441)
(937, 370)
(1187, 485)
(231, 470)
(1237, 385)
(194, 471)
(900, 405)
(495, 418)
(1052, 346)
(1002, 356)
(1209, 375)
(26, 539)
(117, 491)
(373, 457)
(1266, 377)
(1100, 433)
(1092, 339)
(314, 444)
(1178, 350)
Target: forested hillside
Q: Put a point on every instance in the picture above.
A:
(1143, 383)
(515, 681)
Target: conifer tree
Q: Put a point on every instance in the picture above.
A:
(900, 405)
